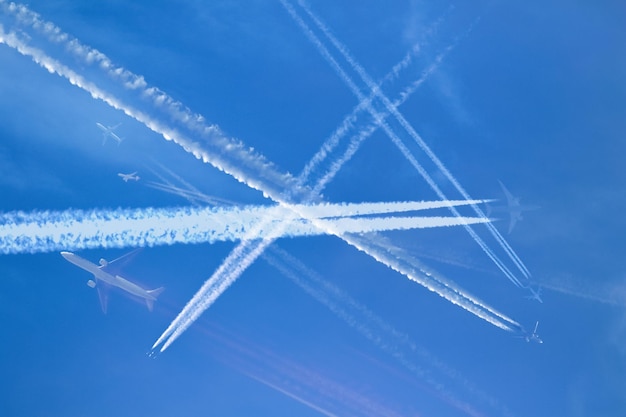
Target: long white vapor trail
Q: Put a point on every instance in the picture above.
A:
(375, 329)
(77, 229)
(224, 153)
(409, 129)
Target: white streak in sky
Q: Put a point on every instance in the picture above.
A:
(409, 129)
(77, 229)
(372, 327)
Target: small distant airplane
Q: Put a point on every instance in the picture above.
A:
(534, 337)
(107, 132)
(536, 294)
(129, 177)
(105, 275)
(513, 207)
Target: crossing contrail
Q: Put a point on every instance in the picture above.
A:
(74, 230)
(408, 128)
(225, 153)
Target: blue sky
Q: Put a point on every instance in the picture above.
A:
(531, 94)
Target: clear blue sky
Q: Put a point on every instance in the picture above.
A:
(528, 93)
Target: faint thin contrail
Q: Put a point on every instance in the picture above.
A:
(78, 229)
(371, 326)
(409, 129)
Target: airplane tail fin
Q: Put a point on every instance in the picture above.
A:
(154, 293)
(489, 209)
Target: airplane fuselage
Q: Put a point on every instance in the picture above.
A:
(114, 280)
(108, 132)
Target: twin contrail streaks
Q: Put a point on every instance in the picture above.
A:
(74, 230)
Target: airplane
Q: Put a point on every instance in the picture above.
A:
(105, 276)
(129, 177)
(536, 294)
(513, 207)
(534, 337)
(107, 132)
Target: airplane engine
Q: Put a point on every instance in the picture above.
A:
(103, 262)
(91, 283)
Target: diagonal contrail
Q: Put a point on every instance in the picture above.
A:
(224, 153)
(409, 129)
(375, 329)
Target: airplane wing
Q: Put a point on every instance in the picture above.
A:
(536, 325)
(114, 267)
(510, 199)
(103, 295)
(514, 216)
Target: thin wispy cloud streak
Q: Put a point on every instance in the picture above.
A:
(311, 386)
(408, 128)
(377, 331)
(224, 153)
(77, 229)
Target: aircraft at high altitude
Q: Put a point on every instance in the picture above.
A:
(535, 294)
(107, 132)
(129, 177)
(532, 337)
(106, 275)
(513, 207)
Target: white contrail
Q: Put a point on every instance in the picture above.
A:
(409, 129)
(194, 197)
(374, 328)
(77, 229)
(234, 159)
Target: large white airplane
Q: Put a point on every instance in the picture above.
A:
(107, 132)
(129, 177)
(513, 207)
(105, 275)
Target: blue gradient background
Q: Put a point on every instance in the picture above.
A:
(533, 94)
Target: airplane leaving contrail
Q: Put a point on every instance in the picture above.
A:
(408, 128)
(74, 230)
(222, 152)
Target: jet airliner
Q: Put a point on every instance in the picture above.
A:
(107, 132)
(531, 337)
(105, 276)
(536, 294)
(129, 177)
(513, 207)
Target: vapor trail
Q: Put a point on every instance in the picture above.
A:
(409, 129)
(222, 152)
(77, 229)
(371, 326)
(194, 197)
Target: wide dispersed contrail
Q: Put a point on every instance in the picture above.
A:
(75, 230)
(222, 152)
(408, 128)
(377, 331)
